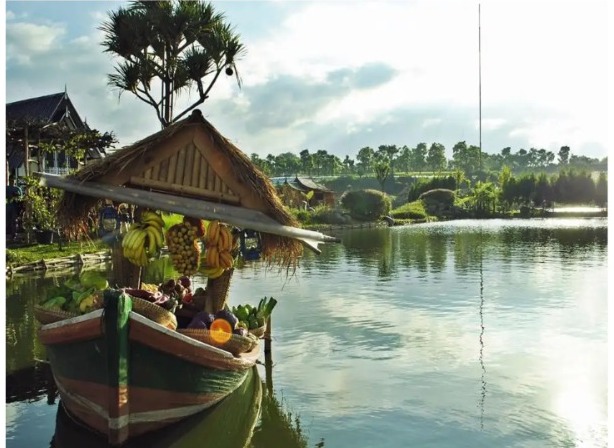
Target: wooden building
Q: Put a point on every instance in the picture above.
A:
(35, 119)
(295, 193)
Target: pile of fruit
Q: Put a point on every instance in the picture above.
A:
(170, 295)
(144, 239)
(185, 242)
(77, 295)
(240, 319)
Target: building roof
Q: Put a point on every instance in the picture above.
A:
(310, 184)
(46, 109)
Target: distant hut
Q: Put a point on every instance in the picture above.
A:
(296, 191)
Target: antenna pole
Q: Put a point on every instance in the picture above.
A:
(480, 77)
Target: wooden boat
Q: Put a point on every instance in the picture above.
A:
(118, 372)
(229, 424)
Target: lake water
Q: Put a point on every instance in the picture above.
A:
(461, 334)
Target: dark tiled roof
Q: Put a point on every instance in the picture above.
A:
(41, 108)
(310, 184)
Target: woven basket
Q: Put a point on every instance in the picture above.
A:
(154, 312)
(46, 316)
(217, 290)
(235, 345)
(258, 332)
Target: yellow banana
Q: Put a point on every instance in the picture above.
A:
(225, 241)
(226, 260)
(213, 272)
(212, 258)
(152, 247)
(155, 239)
(213, 233)
(143, 259)
(152, 218)
(127, 242)
(138, 241)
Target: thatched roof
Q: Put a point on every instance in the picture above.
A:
(189, 158)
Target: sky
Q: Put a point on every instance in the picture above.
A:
(341, 75)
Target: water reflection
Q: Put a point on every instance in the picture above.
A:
(448, 334)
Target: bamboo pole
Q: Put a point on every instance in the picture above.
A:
(234, 215)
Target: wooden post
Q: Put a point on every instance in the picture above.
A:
(26, 151)
(267, 340)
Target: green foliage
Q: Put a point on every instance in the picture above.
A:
(366, 205)
(178, 44)
(419, 187)
(382, 171)
(41, 205)
(410, 210)
(441, 195)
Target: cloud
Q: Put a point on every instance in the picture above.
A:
(24, 41)
(389, 73)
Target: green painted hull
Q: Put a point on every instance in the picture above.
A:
(123, 375)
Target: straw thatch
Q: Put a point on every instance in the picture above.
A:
(255, 189)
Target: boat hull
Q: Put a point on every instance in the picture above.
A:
(123, 379)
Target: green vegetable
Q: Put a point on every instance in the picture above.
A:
(77, 296)
(241, 312)
(93, 279)
(74, 284)
(54, 303)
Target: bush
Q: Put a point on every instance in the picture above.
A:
(440, 195)
(410, 210)
(432, 184)
(366, 205)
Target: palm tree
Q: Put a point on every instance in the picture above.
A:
(178, 44)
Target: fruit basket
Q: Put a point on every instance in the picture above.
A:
(236, 344)
(154, 312)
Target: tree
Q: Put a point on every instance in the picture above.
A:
(564, 155)
(467, 158)
(382, 171)
(287, 163)
(390, 151)
(177, 44)
(601, 190)
(306, 161)
(417, 157)
(436, 157)
(365, 159)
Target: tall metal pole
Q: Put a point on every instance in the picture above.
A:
(480, 77)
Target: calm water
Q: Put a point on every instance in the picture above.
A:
(461, 334)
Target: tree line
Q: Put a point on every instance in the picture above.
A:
(422, 158)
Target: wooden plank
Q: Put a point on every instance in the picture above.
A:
(172, 166)
(202, 175)
(180, 166)
(184, 189)
(195, 166)
(148, 173)
(163, 172)
(156, 172)
(210, 178)
(187, 171)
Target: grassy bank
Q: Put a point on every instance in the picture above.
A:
(28, 254)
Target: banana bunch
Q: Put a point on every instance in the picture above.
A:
(219, 243)
(184, 247)
(144, 239)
